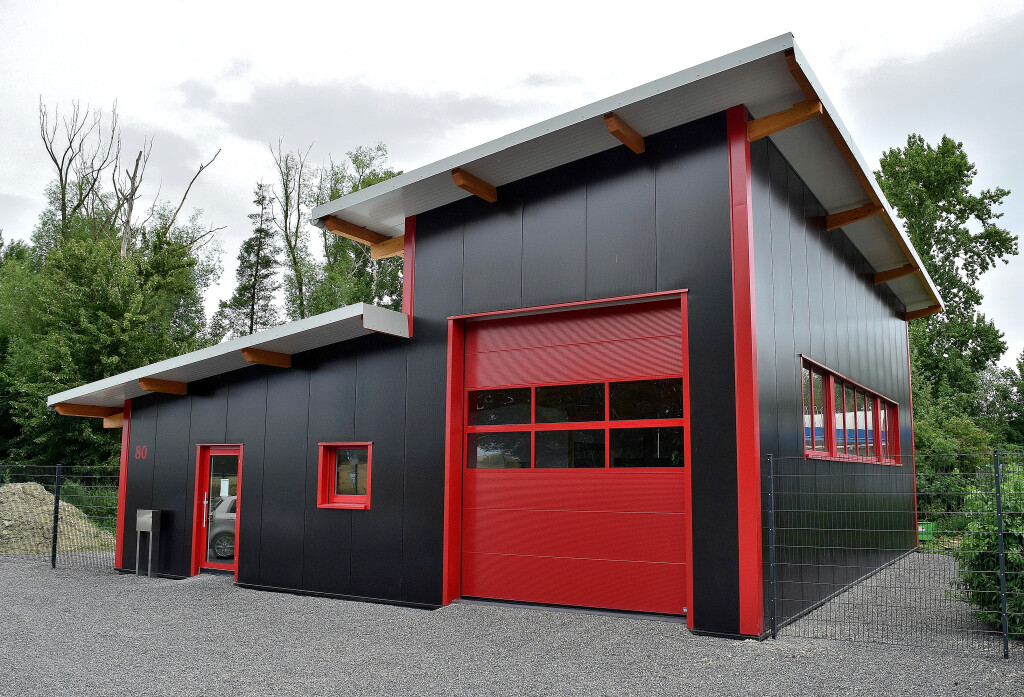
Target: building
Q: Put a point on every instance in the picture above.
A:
(608, 320)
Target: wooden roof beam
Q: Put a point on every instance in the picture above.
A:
(391, 247)
(893, 274)
(918, 314)
(115, 421)
(781, 120)
(474, 185)
(89, 410)
(163, 386)
(273, 358)
(624, 132)
(352, 231)
(854, 215)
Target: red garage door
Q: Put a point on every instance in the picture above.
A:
(576, 479)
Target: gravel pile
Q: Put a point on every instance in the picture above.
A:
(26, 523)
(92, 633)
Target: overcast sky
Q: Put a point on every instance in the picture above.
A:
(431, 78)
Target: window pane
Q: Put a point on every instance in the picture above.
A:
(573, 449)
(498, 450)
(817, 383)
(350, 471)
(648, 447)
(840, 419)
(862, 446)
(561, 403)
(870, 435)
(851, 422)
(499, 407)
(883, 428)
(646, 399)
(808, 430)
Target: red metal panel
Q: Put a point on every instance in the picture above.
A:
(627, 359)
(653, 537)
(748, 432)
(122, 484)
(409, 269)
(609, 538)
(602, 324)
(451, 557)
(621, 585)
(647, 491)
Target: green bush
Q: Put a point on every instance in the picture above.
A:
(97, 502)
(978, 554)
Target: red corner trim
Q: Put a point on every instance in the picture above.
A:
(409, 269)
(122, 485)
(452, 551)
(748, 446)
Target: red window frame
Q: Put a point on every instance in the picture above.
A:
(838, 446)
(326, 469)
(607, 425)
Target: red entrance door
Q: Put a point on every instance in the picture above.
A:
(576, 466)
(216, 508)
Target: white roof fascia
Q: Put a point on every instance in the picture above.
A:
(576, 116)
(302, 335)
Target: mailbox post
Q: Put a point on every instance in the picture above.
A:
(147, 521)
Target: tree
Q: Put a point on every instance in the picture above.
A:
(348, 274)
(291, 197)
(956, 234)
(252, 306)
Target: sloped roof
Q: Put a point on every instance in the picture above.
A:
(768, 77)
(345, 323)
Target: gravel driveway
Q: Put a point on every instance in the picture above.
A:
(81, 632)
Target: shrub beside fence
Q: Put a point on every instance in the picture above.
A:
(74, 529)
(845, 560)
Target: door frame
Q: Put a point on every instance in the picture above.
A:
(203, 453)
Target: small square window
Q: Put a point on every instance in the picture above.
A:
(344, 475)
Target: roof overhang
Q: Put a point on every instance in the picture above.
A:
(768, 77)
(345, 323)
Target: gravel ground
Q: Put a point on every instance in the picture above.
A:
(81, 632)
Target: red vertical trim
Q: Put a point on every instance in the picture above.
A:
(452, 550)
(687, 491)
(409, 269)
(122, 485)
(197, 509)
(748, 446)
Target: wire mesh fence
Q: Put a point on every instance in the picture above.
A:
(928, 552)
(61, 515)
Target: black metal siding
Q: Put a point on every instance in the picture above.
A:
(815, 297)
(612, 224)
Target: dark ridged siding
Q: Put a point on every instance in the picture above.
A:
(609, 225)
(814, 298)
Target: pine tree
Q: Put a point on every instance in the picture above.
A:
(252, 306)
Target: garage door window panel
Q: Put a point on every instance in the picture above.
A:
(570, 403)
(498, 450)
(638, 400)
(648, 447)
(499, 407)
(570, 449)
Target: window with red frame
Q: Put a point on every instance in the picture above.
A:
(344, 475)
(611, 424)
(844, 420)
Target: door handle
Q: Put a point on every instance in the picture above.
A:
(206, 507)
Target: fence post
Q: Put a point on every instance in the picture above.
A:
(56, 517)
(771, 545)
(1002, 552)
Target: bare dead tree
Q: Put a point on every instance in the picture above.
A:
(80, 149)
(289, 200)
(126, 192)
(202, 166)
